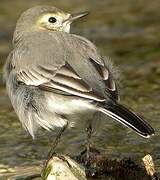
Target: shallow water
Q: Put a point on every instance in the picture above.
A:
(127, 31)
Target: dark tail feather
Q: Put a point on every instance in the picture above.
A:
(128, 118)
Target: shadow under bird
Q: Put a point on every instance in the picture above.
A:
(57, 79)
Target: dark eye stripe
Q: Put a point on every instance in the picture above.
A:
(52, 20)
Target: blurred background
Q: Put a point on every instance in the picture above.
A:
(126, 30)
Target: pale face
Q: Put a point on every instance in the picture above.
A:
(44, 18)
(54, 22)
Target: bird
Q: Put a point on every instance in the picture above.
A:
(55, 78)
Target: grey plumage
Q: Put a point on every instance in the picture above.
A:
(54, 78)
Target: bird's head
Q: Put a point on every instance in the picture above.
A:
(46, 18)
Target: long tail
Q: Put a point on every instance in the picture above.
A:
(128, 118)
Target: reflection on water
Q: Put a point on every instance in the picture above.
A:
(129, 32)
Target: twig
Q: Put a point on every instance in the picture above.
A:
(149, 165)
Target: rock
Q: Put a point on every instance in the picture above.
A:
(63, 167)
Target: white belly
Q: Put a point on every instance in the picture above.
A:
(68, 105)
(75, 109)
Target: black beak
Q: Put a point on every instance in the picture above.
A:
(73, 17)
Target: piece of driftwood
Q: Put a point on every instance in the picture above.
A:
(149, 165)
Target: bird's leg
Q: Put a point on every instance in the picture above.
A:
(52, 150)
(55, 143)
(89, 131)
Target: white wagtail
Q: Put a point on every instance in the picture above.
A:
(56, 79)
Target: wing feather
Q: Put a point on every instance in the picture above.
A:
(71, 82)
(89, 95)
(107, 78)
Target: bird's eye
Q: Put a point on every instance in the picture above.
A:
(52, 20)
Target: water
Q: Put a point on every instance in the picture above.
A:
(129, 32)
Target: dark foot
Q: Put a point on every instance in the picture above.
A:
(86, 156)
(45, 162)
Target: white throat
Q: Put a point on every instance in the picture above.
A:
(67, 28)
